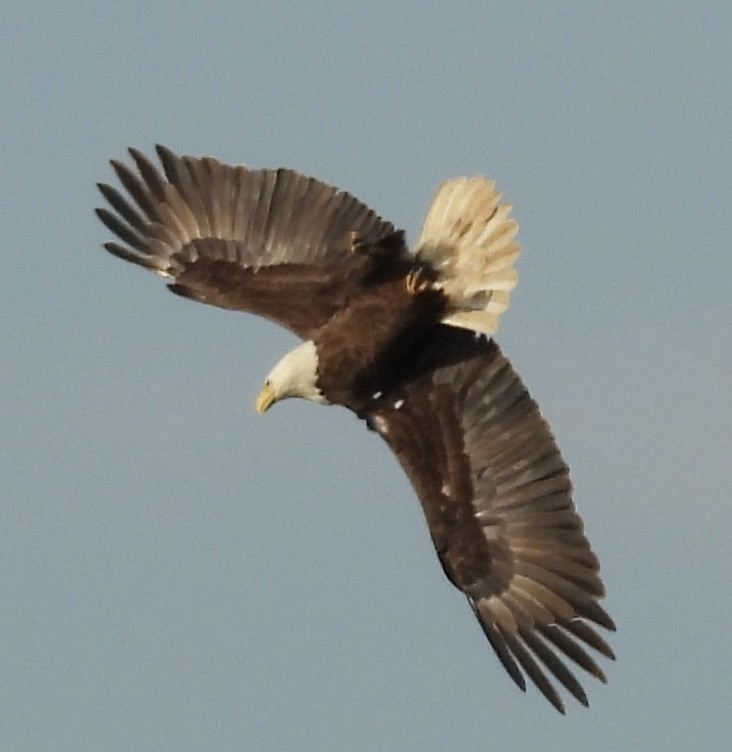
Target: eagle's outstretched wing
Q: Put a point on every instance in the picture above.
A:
(271, 242)
(497, 498)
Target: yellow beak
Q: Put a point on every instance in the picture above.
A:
(265, 399)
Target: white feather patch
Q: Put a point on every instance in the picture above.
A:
(468, 238)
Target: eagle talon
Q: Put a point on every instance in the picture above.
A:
(416, 282)
(356, 243)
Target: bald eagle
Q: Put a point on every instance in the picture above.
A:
(403, 338)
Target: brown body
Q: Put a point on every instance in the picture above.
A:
(392, 325)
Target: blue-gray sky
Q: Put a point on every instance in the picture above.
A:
(179, 574)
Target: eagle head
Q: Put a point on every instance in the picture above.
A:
(296, 375)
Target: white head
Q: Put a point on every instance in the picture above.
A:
(296, 375)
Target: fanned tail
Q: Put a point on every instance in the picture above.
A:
(468, 240)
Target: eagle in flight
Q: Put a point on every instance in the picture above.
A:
(403, 338)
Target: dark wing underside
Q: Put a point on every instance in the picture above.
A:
(271, 242)
(497, 498)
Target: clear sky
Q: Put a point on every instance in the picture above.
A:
(178, 574)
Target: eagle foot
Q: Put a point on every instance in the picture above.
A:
(357, 243)
(417, 281)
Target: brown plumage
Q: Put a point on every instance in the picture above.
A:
(399, 338)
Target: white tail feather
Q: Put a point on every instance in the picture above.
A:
(468, 239)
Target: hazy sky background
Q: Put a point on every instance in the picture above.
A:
(178, 574)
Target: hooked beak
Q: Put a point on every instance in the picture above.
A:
(265, 399)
